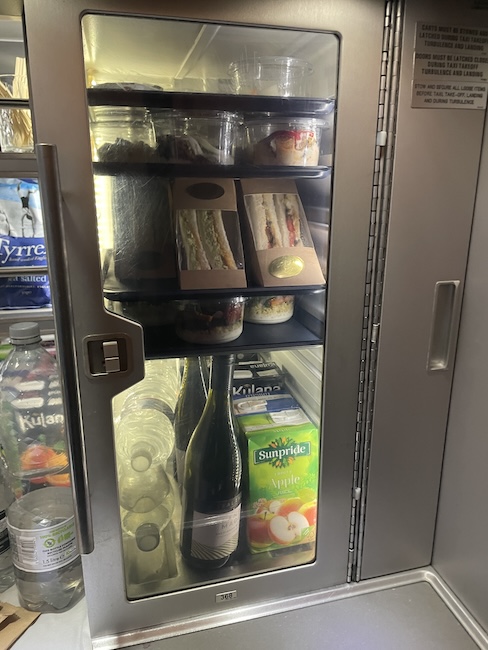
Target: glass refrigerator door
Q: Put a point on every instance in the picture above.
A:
(212, 151)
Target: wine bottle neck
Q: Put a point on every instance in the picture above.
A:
(222, 375)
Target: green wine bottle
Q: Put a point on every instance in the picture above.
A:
(189, 408)
(212, 488)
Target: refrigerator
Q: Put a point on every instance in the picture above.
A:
(387, 180)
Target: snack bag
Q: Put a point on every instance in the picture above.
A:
(22, 244)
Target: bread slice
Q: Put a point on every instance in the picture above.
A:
(196, 260)
(214, 239)
(288, 212)
(264, 221)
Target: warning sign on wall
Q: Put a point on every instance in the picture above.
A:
(450, 67)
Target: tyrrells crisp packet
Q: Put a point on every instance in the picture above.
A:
(257, 377)
(22, 244)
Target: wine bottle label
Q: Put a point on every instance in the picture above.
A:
(51, 548)
(4, 539)
(215, 536)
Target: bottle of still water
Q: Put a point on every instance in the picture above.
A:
(7, 578)
(40, 519)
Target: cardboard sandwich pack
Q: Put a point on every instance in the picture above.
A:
(277, 235)
(209, 244)
(283, 464)
(257, 377)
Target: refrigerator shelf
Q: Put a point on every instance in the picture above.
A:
(14, 103)
(162, 341)
(174, 170)
(159, 291)
(209, 101)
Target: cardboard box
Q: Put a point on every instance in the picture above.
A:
(209, 243)
(283, 467)
(257, 378)
(268, 411)
(279, 248)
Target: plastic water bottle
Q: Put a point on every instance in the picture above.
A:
(7, 578)
(147, 503)
(144, 433)
(40, 520)
(161, 382)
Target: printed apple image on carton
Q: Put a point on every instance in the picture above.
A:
(283, 482)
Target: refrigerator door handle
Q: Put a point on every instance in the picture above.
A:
(51, 199)
(444, 325)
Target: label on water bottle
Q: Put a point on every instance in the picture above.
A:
(48, 549)
(4, 539)
(215, 536)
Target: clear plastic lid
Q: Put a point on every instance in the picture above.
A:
(271, 65)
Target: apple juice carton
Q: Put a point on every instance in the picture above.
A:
(283, 466)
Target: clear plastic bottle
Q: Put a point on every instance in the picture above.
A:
(147, 503)
(144, 433)
(149, 545)
(161, 382)
(7, 578)
(40, 520)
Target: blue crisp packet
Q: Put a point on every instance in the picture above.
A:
(22, 244)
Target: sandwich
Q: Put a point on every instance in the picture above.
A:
(275, 220)
(204, 240)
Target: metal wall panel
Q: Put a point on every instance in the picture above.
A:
(434, 184)
(461, 549)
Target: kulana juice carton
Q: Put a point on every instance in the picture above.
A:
(283, 466)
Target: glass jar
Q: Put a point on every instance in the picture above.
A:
(122, 134)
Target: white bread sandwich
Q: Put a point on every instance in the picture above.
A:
(204, 240)
(275, 220)
(288, 212)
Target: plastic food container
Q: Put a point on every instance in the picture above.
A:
(269, 309)
(291, 141)
(281, 76)
(210, 321)
(122, 134)
(199, 137)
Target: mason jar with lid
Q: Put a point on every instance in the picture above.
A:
(122, 134)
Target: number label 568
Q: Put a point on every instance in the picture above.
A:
(225, 596)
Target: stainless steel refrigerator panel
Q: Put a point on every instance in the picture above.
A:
(434, 184)
(404, 618)
(462, 526)
(59, 101)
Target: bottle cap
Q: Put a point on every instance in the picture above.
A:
(24, 333)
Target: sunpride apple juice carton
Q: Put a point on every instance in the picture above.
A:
(283, 467)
